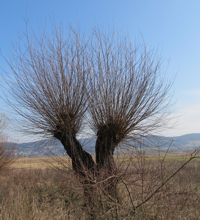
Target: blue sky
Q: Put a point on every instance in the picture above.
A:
(172, 27)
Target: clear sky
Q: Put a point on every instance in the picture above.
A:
(172, 27)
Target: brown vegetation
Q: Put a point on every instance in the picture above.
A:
(39, 162)
(6, 152)
(56, 194)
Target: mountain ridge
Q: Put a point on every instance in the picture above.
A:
(54, 147)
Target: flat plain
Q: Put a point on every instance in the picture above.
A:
(39, 162)
(47, 162)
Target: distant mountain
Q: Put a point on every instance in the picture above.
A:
(187, 138)
(54, 147)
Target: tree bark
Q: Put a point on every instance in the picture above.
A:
(82, 162)
(106, 167)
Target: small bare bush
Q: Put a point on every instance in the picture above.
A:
(6, 151)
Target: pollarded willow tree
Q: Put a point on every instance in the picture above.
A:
(62, 83)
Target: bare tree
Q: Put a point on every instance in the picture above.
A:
(128, 96)
(102, 81)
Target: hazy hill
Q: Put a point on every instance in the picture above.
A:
(54, 147)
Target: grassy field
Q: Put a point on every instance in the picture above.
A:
(46, 188)
(38, 162)
(46, 162)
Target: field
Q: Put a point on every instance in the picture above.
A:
(45, 188)
(38, 162)
(46, 162)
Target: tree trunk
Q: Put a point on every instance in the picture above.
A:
(84, 165)
(82, 162)
(103, 172)
(105, 146)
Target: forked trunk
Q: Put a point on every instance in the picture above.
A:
(103, 172)
(82, 162)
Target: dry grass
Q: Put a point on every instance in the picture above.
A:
(39, 162)
(47, 162)
(43, 192)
